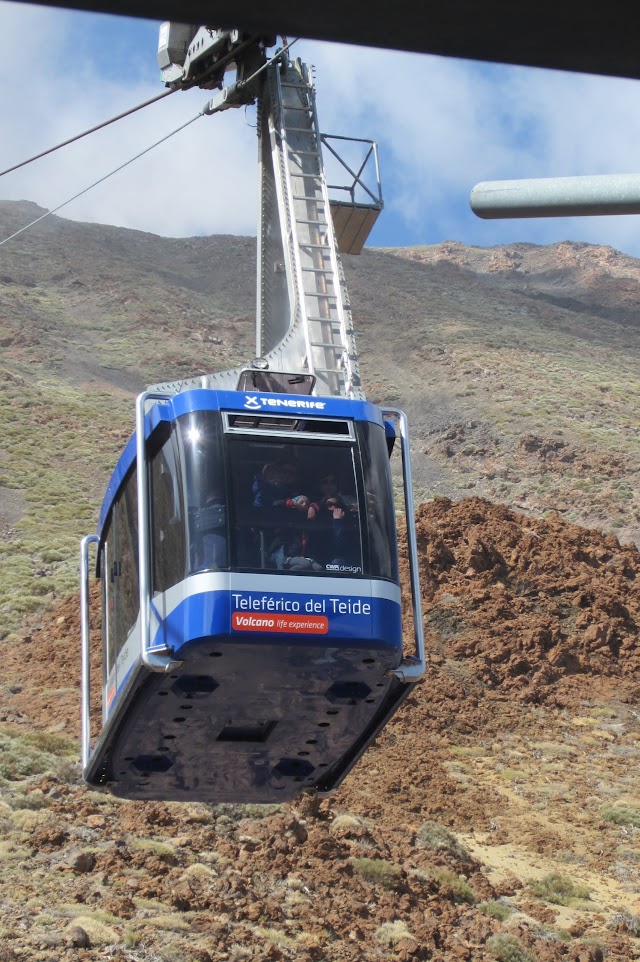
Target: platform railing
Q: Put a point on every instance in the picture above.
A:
(358, 181)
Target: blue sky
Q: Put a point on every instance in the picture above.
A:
(442, 126)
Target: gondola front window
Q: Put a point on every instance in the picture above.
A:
(294, 506)
(259, 500)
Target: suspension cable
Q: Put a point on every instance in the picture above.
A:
(137, 156)
(92, 130)
(100, 181)
(126, 113)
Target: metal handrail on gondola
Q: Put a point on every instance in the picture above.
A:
(85, 646)
(412, 668)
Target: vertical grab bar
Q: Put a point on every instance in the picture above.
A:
(410, 669)
(85, 646)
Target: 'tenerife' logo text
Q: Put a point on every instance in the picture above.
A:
(255, 403)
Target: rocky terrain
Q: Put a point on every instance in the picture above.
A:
(498, 816)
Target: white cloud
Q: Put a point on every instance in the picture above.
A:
(201, 181)
(450, 124)
(443, 125)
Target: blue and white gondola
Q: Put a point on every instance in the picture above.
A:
(233, 670)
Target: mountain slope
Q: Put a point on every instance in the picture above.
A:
(496, 818)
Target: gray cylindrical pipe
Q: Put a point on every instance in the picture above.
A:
(557, 197)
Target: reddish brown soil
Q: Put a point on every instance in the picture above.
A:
(532, 624)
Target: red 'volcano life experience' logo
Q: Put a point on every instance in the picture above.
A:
(307, 624)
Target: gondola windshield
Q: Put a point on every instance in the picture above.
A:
(245, 500)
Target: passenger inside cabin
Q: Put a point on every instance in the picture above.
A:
(337, 532)
(331, 499)
(287, 512)
(211, 528)
(277, 486)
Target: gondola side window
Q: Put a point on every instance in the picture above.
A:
(167, 517)
(126, 560)
(109, 596)
(199, 437)
(378, 496)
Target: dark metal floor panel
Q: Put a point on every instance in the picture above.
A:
(248, 723)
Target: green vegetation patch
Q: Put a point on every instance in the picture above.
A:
(98, 932)
(60, 445)
(621, 816)
(439, 839)
(461, 889)
(496, 909)
(508, 948)
(390, 933)
(377, 871)
(32, 753)
(276, 937)
(559, 889)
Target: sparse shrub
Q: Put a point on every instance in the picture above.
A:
(547, 933)
(390, 933)
(19, 759)
(98, 932)
(26, 820)
(199, 871)
(592, 943)
(238, 953)
(33, 801)
(496, 910)
(172, 953)
(69, 772)
(238, 811)
(508, 948)
(132, 938)
(558, 889)
(621, 816)
(460, 888)
(626, 922)
(345, 822)
(52, 743)
(277, 937)
(511, 775)
(170, 922)
(155, 848)
(440, 839)
(377, 871)
(99, 915)
(49, 555)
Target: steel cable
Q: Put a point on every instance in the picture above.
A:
(92, 130)
(131, 160)
(101, 179)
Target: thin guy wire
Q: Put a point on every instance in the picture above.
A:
(244, 83)
(92, 130)
(106, 176)
(142, 153)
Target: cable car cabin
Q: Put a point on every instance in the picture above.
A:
(251, 622)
